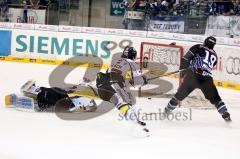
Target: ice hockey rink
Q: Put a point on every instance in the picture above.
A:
(31, 135)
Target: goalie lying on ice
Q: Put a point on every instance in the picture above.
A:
(37, 98)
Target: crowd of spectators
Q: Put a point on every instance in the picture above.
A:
(223, 8)
(164, 7)
(185, 7)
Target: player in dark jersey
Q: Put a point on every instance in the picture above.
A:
(198, 63)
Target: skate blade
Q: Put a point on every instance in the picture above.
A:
(140, 131)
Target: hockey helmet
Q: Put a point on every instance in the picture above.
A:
(210, 42)
(129, 52)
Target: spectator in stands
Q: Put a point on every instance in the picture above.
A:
(208, 9)
(25, 6)
(4, 10)
(140, 4)
(237, 8)
(221, 8)
(185, 7)
(170, 3)
(215, 9)
(153, 6)
(194, 7)
(164, 7)
(157, 5)
(229, 7)
(179, 9)
(130, 4)
(126, 4)
(225, 8)
(149, 7)
(198, 7)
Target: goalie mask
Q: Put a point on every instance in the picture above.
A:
(210, 42)
(129, 52)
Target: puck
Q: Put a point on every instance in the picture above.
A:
(149, 98)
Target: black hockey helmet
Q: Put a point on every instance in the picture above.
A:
(129, 52)
(210, 42)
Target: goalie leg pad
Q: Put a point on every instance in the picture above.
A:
(20, 102)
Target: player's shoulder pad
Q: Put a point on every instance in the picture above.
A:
(194, 48)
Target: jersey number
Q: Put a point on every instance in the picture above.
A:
(210, 60)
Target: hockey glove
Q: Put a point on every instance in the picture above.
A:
(182, 74)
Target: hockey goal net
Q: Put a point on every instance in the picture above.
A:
(158, 59)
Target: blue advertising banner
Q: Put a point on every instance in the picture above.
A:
(167, 24)
(5, 42)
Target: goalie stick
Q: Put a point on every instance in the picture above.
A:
(167, 74)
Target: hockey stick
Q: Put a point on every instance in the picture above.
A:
(167, 74)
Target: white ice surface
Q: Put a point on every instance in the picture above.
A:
(25, 135)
